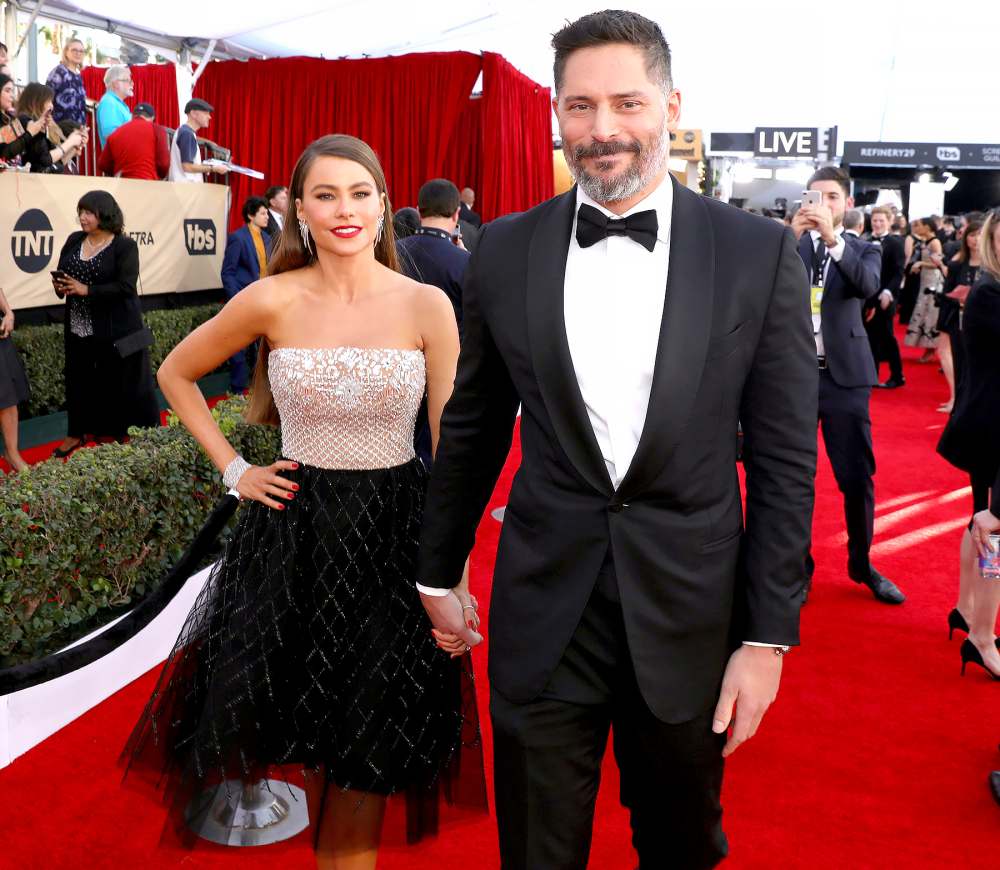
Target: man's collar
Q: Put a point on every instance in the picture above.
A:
(660, 199)
(838, 232)
(433, 231)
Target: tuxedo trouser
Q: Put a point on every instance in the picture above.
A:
(847, 435)
(548, 753)
(884, 345)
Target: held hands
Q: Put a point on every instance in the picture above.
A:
(455, 620)
(751, 685)
(984, 524)
(67, 286)
(267, 486)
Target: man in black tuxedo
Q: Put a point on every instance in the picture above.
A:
(467, 215)
(879, 310)
(276, 198)
(845, 271)
(635, 323)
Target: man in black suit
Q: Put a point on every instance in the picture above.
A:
(845, 271)
(276, 198)
(634, 323)
(880, 309)
(468, 201)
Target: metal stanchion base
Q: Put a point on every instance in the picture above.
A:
(234, 814)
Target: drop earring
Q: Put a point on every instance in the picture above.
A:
(380, 226)
(304, 232)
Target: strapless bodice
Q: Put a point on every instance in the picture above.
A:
(347, 407)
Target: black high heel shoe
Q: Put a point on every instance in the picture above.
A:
(59, 453)
(970, 653)
(956, 622)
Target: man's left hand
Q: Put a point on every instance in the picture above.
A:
(750, 685)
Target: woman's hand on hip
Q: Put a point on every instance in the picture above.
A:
(265, 485)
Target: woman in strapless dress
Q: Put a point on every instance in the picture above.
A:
(308, 659)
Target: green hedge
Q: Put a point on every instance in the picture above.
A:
(43, 352)
(81, 539)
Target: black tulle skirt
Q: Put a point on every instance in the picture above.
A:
(308, 650)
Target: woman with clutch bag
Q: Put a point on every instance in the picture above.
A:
(109, 383)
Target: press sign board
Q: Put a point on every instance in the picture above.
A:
(785, 141)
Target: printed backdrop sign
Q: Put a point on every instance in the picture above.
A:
(180, 230)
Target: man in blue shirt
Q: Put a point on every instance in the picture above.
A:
(111, 110)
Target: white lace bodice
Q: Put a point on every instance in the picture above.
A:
(347, 407)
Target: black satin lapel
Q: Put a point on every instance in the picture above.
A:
(549, 347)
(684, 336)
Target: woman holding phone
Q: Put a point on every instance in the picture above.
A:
(971, 441)
(109, 383)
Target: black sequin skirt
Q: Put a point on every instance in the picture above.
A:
(309, 650)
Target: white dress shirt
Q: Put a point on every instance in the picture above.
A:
(836, 252)
(279, 218)
(613, 307)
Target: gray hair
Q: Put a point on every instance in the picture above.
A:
(114, 73)
(854, 218)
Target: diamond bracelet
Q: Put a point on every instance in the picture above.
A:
(234, 471)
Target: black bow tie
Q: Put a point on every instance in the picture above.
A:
(593, 225)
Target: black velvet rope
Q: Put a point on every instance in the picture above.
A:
(20, 677)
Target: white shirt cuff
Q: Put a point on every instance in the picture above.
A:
(755, 643)
(837, 251)
(433, 591)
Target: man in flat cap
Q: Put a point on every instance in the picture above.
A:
(185, 158)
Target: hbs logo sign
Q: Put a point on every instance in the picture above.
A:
(32, 240)
(199, 236)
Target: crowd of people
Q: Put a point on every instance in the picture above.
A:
(345, 320)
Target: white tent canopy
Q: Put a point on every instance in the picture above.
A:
(879, 71)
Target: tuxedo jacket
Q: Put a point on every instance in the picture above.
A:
(848, 284)
(735, 344)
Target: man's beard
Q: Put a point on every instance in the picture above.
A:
(644, 167)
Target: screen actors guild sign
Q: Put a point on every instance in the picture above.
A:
(32, 240)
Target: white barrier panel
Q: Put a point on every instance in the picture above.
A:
(29, 716)
(180, 230)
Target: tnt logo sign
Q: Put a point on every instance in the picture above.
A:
(949, 152)
(32, 240)
(199, 236)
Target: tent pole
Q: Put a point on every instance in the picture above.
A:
(31, 22)
(204, 62)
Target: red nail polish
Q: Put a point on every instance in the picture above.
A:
(295, 487)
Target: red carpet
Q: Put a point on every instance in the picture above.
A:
(875, 755)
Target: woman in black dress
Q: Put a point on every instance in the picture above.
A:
(109, 383)
(971, 441)
(308, 659)
(963, 269)
(13, 386)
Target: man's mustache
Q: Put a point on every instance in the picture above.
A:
(605, 149)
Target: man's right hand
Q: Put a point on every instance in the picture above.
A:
(448, 617)
(801, 223)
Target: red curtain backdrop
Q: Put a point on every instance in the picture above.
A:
(154, 83)
(463, 164)
(406, 108)
(517, 140)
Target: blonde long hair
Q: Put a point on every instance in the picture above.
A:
(987, 249)
(290, 253)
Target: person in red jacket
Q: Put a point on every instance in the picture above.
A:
(137, 149)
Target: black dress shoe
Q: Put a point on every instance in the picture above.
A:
(882, 587)
(893, 383)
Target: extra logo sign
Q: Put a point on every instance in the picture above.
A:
(785, 141)
(199, 236)
(32, 241)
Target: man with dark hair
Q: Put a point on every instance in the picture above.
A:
(430, 255)
(845, 272)
(634, 323)
(137, 149)
(880, 310)
(245, 262)
(276, 198)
